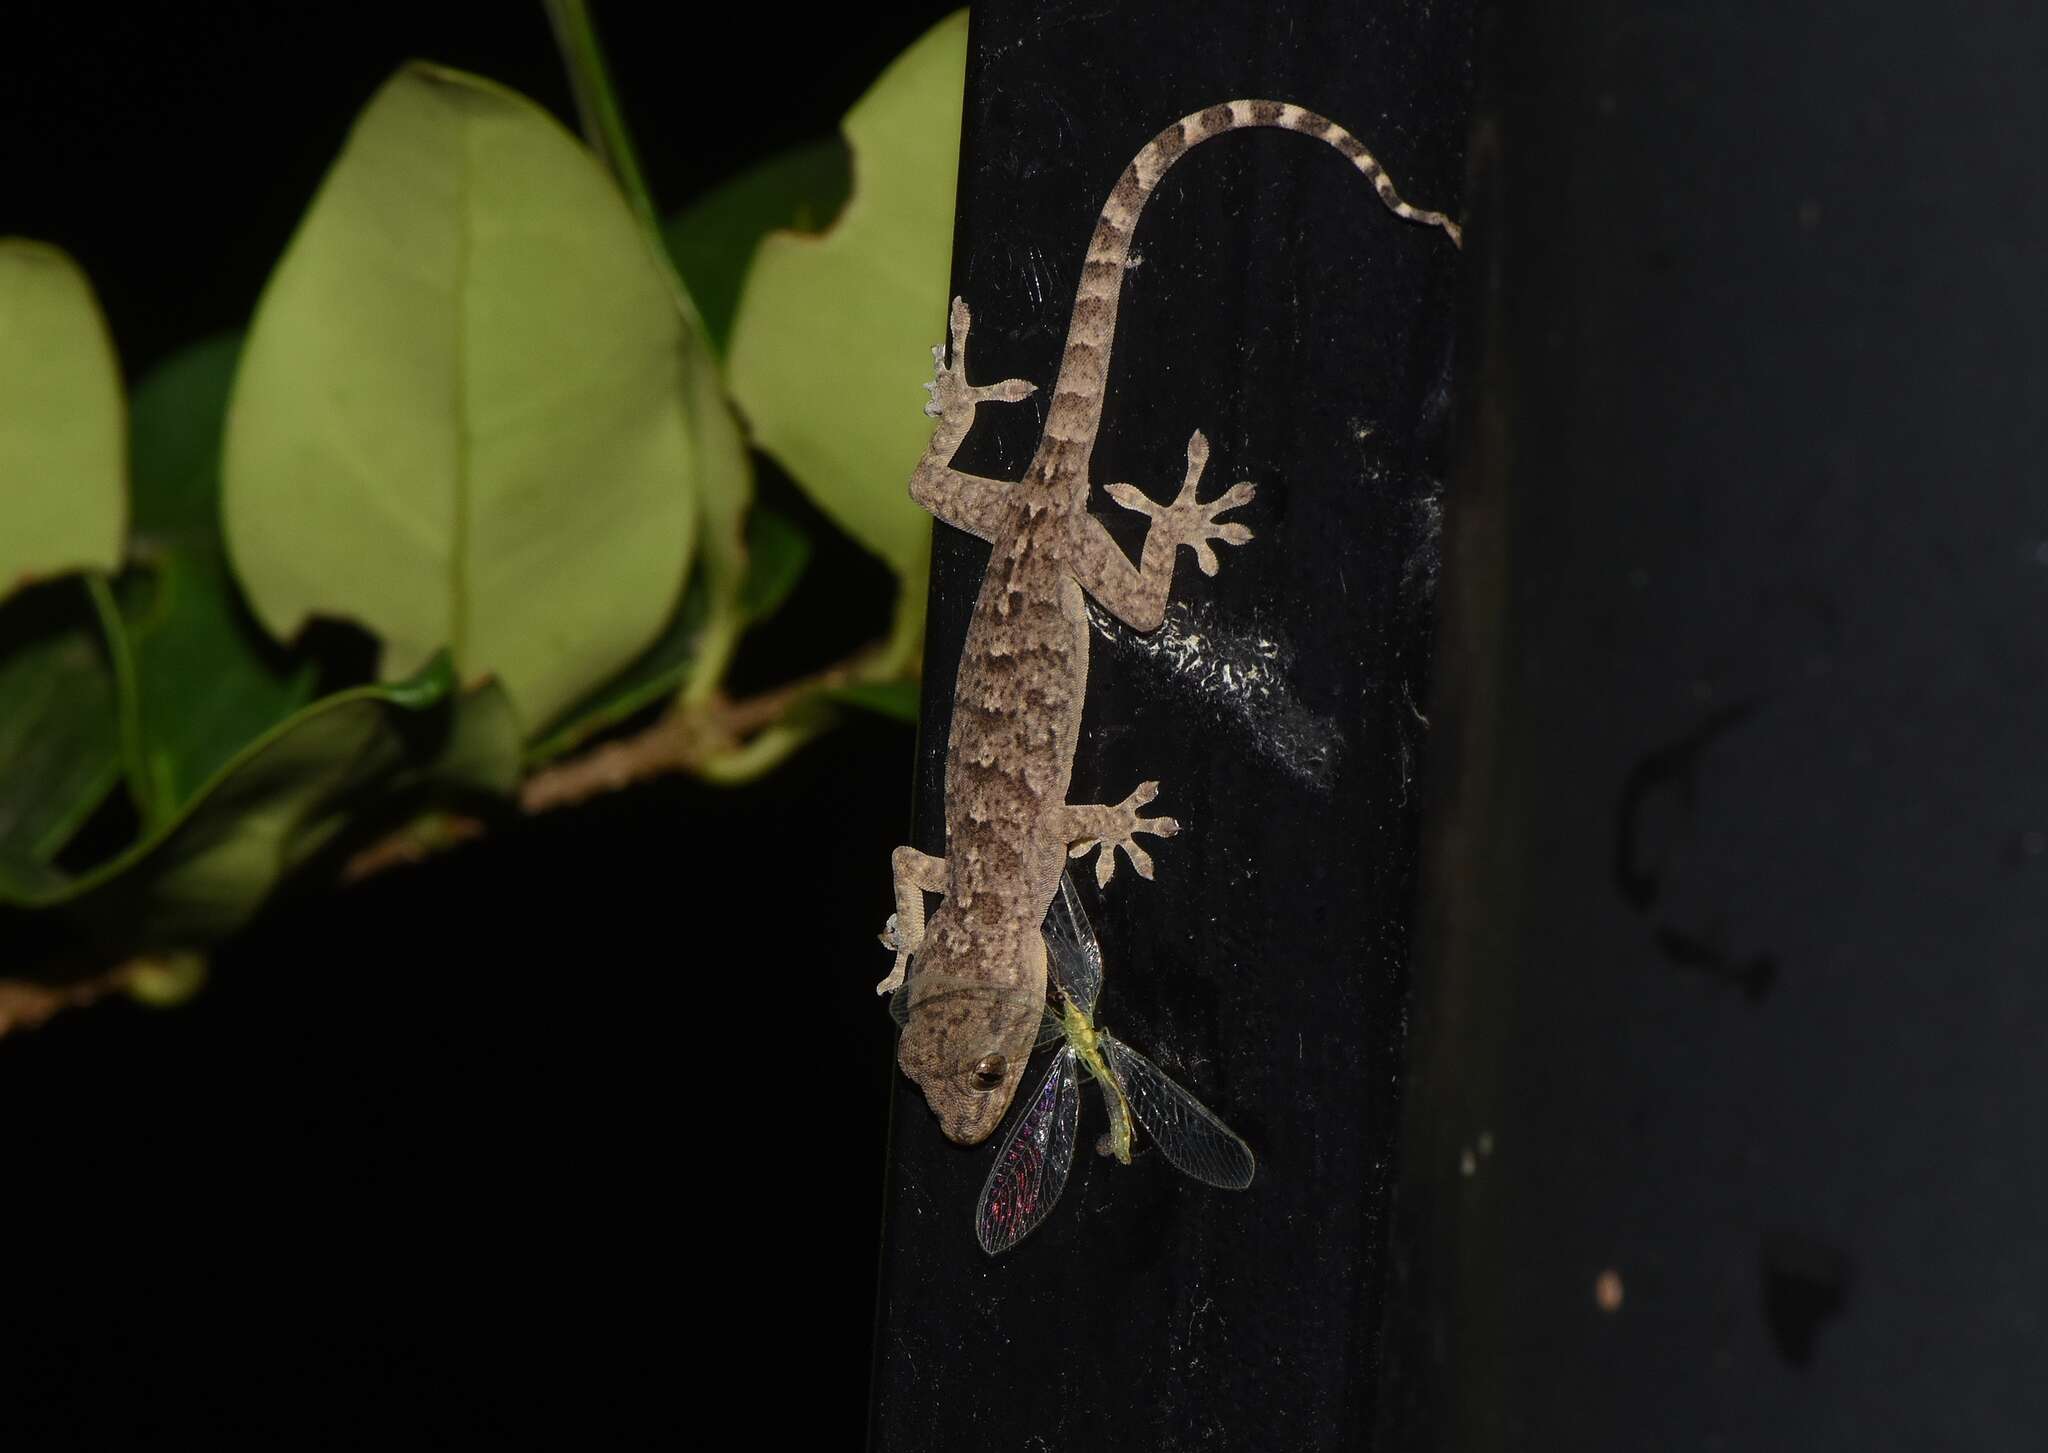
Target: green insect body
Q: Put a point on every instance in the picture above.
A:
(1087, 1046)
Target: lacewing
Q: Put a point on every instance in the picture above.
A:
(1032, 1163)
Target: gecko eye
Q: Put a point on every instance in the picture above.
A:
(989, 1071)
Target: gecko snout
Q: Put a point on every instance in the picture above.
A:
(969, 1098)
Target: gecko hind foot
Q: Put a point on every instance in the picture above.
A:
(952, 396)
(1119, 828)
(1189, 521)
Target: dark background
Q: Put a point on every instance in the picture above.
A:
(1738, 835)
(579, 1127)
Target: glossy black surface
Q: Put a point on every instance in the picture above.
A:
(1283, 311)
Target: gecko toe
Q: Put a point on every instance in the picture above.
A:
(1132, 498)
(1238, 494)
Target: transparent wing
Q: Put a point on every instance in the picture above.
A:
(1072, 954)
(1180, 1125)
(1050, 1029)
(1031, 1167)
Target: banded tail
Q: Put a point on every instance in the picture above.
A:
(1084, 367)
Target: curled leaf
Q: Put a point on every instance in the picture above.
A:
(280, 802)
(60, 751)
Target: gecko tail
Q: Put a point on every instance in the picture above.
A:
(1238, 115)
(1077, 396)
(1112, 239)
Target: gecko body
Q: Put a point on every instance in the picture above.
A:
(979, 979)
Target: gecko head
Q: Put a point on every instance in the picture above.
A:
(966, 1046)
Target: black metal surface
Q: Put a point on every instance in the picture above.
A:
(1280, 309)
(1738, 822)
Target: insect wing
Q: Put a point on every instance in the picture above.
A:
(1180, 1125)
(1050, 1029)
(1031, 1167)
(1072, 953)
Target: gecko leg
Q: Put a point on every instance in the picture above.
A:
(966, 501)
(916, 874)
(1087, 829)
(1137, 597)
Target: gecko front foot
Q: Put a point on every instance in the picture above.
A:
(1188, 521)
(1110, 828)
(953, 398)
(892, 939)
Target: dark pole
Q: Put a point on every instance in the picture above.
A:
(1280, 309)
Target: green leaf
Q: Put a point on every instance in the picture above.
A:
(894, 699)
(59, 747)
(207, 680)
(654, 676)
(62, 500)
(834, 333)
(281, 801)
(460, 417)
(712, 242)
(777, 552)
(174, 437)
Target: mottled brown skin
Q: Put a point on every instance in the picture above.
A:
(980, 962)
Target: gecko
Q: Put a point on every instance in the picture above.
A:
(979, 982)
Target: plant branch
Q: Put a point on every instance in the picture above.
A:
(27, 1005)
(717, 738)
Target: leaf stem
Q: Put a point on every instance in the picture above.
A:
(597, 104)
(604, 127)
(127, 703)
